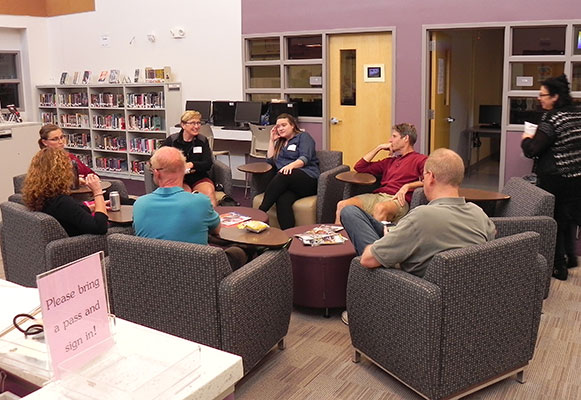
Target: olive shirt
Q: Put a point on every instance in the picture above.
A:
(443, 224)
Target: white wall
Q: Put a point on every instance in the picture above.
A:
(207, 61)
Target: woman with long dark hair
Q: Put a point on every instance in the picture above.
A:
(296, 169)
(556, 149)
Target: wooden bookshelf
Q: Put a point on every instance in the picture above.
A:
(112, 127)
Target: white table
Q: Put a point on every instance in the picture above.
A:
(218, 373)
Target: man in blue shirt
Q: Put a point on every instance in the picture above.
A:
(171, 213)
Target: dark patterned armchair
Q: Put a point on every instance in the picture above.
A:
(190, 291)
(34, 242)
(472, 318)
(529, 208)
(316, 209)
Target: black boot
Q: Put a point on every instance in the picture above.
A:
(571, 260)
(560, 271)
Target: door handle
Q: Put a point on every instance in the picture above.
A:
(450, 120)
(334, 121)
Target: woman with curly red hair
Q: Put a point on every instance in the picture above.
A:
(47, 188)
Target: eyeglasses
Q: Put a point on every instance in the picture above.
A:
(151, 169)
(544, 94)
(57, 139)
(193, 123)
(424, 175)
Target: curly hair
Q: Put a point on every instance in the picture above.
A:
(50, 174)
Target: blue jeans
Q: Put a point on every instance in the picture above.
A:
(361, 227)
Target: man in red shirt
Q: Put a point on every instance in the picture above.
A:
(400, 175)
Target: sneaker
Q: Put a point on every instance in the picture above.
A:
(345, 317)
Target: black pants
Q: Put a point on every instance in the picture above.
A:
(284, 190)
(567, 193)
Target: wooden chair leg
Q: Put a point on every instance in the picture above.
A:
(356, 356)
(520, 377)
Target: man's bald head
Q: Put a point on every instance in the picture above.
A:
(446, 166)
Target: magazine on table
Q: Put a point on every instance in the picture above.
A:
(322, 234)
(232, 218)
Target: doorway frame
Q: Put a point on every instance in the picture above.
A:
(425, 84)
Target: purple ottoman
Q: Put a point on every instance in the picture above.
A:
(319, 273)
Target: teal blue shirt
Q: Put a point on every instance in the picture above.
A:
(174, 214)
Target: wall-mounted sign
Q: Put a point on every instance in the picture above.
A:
(374, 73)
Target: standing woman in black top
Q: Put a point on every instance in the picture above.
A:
(47, 188)
(556, 148)
(196, 149)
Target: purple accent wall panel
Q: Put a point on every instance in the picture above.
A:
(516, 164)
(316, 131)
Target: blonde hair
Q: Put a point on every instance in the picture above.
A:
(50, 174)
(447, 167)
(169, 159)
(190, 115)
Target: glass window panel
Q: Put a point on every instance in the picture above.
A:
(348, 78)
(264, 49)
(264, 76)
(309, 105)
(8, 66)
(538, 71)
(299, 75)
(525, 109)
(576, 78)
(9, 94)
(305, 47)
(538, 40)
(577, 39)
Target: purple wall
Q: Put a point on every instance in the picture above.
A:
(267, 16)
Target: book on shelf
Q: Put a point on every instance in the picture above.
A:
(103, 76)
(86, 77)
(63, 80)
(137, 77)
(76, 76)
(158, 75)
(114, 76)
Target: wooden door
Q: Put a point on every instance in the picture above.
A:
(439, 91)
(360, 93)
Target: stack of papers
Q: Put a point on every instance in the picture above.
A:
(232, 218)
(322, 234)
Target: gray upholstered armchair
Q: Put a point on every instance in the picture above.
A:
(471, 320)
(316, 209)
(529, 208)
(220, 173)
(190, 291)
(34, 242)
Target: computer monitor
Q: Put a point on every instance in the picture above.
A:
(247, 112)
(224, 112)
(489, 115)
(275, 109)
(202, 106)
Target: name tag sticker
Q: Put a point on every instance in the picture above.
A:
(197, 149)
(292, 147)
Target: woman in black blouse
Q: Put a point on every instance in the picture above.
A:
(47, 188)
(556, 149)
(199, 158)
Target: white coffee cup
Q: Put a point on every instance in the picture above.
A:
(530, 128)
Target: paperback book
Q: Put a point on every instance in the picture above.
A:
(114, 76)
(86, 77)
(103, 76)
(63, 80)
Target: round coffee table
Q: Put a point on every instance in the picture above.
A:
(319, 273)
